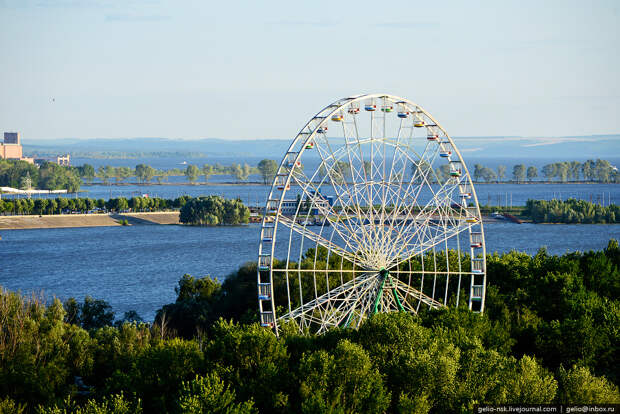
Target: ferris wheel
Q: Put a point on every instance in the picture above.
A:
(371, 210)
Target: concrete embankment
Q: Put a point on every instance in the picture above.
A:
(86, 220)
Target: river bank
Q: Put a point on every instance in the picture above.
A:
(86, 220)
(101, 220)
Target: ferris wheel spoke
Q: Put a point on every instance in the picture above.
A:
(432, 206)
(425, 244)
(387, 189)
(337, 176)
(345, 307)
(396, 211)
(416, 294)
(357, 174)
(310, 235)
(340, 291)
(338, 219)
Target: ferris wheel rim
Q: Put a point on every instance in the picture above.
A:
(303, 138)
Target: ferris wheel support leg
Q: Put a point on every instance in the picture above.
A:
(398, 302)
(383, 275)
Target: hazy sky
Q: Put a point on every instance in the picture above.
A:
(242, 70)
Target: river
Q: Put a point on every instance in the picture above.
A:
(137, 267)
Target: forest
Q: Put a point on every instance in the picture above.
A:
(549, 334)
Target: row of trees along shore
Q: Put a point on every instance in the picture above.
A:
(549, 334)
(570, 211)
(50, 176)
(209, 210)
(600, 171)
(213, 210)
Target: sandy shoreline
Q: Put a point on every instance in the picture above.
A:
(86, 220)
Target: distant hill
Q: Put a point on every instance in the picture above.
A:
(153, 147)
(559, 148)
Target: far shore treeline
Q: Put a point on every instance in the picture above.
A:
(549, 335)
(50, 176)
(213, 210)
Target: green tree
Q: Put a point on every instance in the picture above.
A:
(518, 173)
(267, 169)
(87, 172)
(532, 173)
(144, 173)
(575, 169)
(488, 174)
(95, 313)
(343, 382)
(12, 172)
(501, 172)
(209, 394)
(115, 404)
(207, 171)
(579, 386)
(562, 170)
(603, 171)
(55, 177)
(531, 384)
(192, 172)
(478, 172)
(549, 171)
(588, 170)
(241, 173)
(212, 210)
(443, 173)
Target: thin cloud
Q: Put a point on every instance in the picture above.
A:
(408, 25)
(308, 23)
(560, 140)
(127, 18)
(471, 149)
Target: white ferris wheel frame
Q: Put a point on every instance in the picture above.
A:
(363, 284)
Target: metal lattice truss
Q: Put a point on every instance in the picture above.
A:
(372, 184)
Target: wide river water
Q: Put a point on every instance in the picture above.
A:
(137, 267)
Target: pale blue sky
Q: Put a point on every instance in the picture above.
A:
(243, 70)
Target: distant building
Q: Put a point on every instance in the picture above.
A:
(11, 149)
(64, 160)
